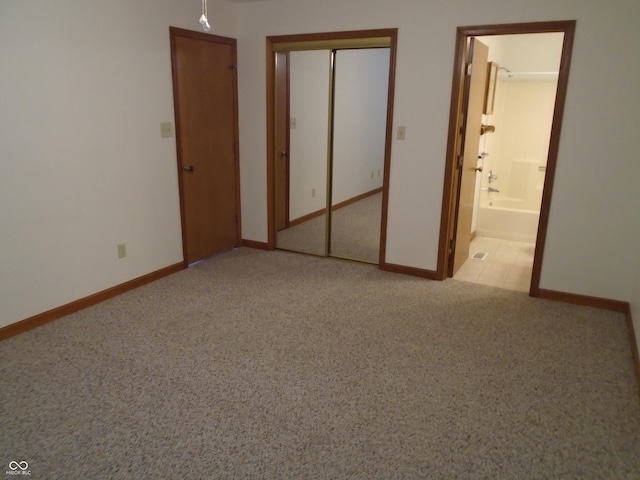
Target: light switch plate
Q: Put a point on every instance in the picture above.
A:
(166, 129)
(402, 131)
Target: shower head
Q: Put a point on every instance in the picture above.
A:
(509, 74)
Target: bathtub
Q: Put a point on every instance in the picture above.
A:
(508, 219)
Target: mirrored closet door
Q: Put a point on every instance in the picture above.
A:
(331, 124)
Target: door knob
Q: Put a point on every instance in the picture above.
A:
(188, 168)
(284, 153)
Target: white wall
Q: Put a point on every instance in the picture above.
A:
(361, 88)
(84, 88)
(360, 120)
(589, 250)
(635, 305)
(82, 167)
(309, 101)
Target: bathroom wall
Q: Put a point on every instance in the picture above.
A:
(539, 52)
(519, 147)
(522, 115)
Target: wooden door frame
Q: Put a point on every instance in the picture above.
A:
(328, 40)
(180, 32)
(449, 198)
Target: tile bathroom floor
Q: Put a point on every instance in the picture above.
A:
(508, 264)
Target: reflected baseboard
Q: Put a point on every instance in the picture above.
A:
(337, 206)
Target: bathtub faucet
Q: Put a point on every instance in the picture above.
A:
(493, 190)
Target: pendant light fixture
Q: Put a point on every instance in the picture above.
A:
(204, 21)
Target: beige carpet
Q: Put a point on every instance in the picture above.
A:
(273, 365)
(355, 232)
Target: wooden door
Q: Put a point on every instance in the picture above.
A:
(205, 100)
(472, 108)
(282, 140)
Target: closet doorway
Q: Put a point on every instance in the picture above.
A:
(330, 103)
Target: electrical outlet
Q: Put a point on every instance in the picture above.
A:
(122, 250)
(292, 123)
(166, 129)
(313, 193)
(371, 173)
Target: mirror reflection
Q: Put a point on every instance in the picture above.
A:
(308, 127)
(333, 98)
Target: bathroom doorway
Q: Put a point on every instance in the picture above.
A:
(470, 238)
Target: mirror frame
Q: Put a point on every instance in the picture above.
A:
(324, 41)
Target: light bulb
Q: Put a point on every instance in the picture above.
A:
(205, 23)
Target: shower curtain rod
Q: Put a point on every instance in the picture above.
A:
(528, 76)
(529, 73)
